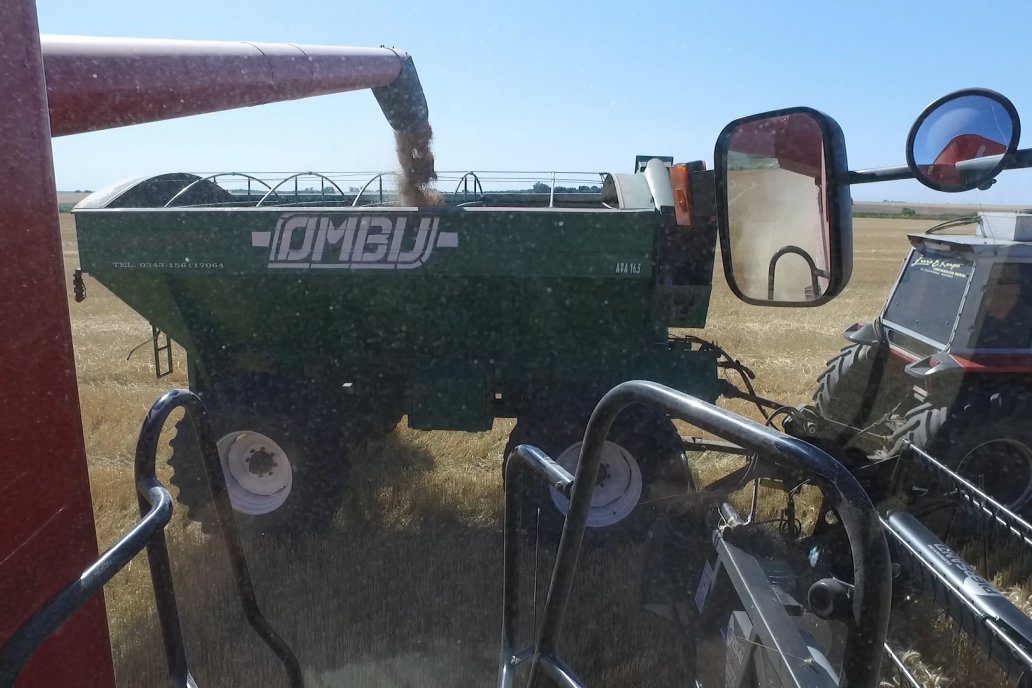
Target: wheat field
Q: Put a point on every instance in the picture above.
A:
(406, 588)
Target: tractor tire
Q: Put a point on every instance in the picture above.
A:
(842, 388)
(301, 471)
(990, 444)
(643, 467)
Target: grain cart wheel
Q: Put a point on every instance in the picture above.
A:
(643, 464)
(989, 445)
(284, 464)
(852, 392)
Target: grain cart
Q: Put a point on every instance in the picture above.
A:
(947, 365)
(756, 157)
(66, 85)
(759, 160)
(40, 543)
(313, 320)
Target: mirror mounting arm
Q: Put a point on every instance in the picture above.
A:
(879, 174)
(1020, 160)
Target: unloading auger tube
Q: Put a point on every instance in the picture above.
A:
(871, 564)
(100, 83)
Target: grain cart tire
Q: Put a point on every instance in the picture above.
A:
(301, 471)
(841, 389)
(989, 444)
(643, 465)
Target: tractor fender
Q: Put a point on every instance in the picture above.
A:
(864, 333)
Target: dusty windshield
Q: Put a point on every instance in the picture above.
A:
(332, 300)
(927, 299)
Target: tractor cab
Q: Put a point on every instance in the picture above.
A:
(964, 302)
(946, 366)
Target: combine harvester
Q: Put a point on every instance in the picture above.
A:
(616, 267)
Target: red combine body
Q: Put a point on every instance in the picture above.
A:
(959, 149)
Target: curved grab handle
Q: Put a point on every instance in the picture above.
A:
(871, 564)
(157, 551)
(15, 654)
(794, 250)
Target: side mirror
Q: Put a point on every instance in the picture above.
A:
(784, 212)
(962, 140)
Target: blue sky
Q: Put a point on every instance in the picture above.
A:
(574, 86)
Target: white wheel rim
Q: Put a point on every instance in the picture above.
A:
(258, 472)
(617, 491)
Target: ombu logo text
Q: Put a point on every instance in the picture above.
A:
(371, 242)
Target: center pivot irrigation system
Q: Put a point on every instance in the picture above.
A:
(317, 311)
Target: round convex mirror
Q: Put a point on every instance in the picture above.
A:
(962, 140)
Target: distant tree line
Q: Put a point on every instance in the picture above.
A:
(541, 187)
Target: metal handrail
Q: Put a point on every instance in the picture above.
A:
(794, 250)
(872, 572)
(295, 177)
(28, 638)
(157, 550)
(155, 510)
(212, 177)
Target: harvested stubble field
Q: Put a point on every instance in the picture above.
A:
(406, 588)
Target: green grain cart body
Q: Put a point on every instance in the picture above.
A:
(458, 314)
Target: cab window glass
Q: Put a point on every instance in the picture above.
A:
(1005, 320)
(927, 298)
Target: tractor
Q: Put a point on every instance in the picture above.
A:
(947, 365)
